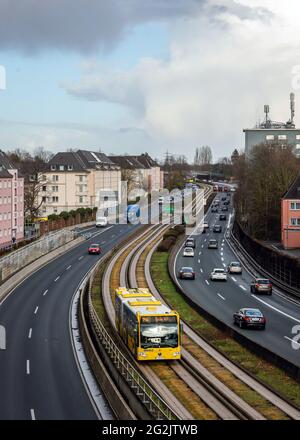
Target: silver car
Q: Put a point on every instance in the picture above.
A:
(234, 267)
(212, 244)
(188, 252)
(218, 275)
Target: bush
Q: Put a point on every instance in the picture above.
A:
(166, 244)
(53, 217)
(65, 215)
(72, 213)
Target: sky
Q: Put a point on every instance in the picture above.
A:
(132, 76)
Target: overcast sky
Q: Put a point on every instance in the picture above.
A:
(129, 76)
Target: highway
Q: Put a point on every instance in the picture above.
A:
(223, 298)
(39, 377)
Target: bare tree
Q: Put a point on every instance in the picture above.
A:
(203, 156)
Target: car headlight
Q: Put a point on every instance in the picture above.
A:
(176, 353)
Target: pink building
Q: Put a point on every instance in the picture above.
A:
(11, 203)
(290, 216)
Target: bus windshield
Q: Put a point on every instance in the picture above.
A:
(159, 332)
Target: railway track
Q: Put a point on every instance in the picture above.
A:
(222, 401)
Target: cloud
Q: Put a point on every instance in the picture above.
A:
(80, 25)
(224, 64)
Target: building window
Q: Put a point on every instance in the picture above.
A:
(61, 168)
(55, 178)
(297, 146)
(53, 167)
(295, 221)
(282, 137)
(295, 205)
(44, 177)
(44, 187)
(55, 199)
(270, 137)
(298, 137)
(44, 199)
(70, 167)
(55, 188)
(80, 199)
(54, 209)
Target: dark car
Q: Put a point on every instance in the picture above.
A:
(227, 202)
(224, 208)
(190, 242)
(94, 249)
(187, 273)
(223, 198)
(222, 217)
(247, 317)
(212, 244)
(214, 209)
(217, 228)
(261, 285)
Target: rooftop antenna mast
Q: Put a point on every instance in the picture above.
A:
(292, 100)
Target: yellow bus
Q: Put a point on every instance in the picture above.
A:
(149, 329)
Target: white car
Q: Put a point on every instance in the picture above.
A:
(218, 275)
(235, 267)
(188, 252)
(101, 222)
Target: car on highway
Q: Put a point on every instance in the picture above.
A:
(223, 198)
(222, 217)
(233, 189)
(224, 208)
(218, 275)
(94, 249)
(187, 273)
(261, 285)
(227, 202)
(212, 244)
(188, 252)
(205, 225)
(217, 228)
(234, 267)
(214, 209)
(190, 242)
(248, 317)
(101, 222)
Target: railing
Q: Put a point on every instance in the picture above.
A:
(156, 406)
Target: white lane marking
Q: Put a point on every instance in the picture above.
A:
(222, 297)
(292, 340)
(202, 246)
(234, 279)
(275, 308)
(69, 267)
(32, 414)
(80, 258)
(222, 258)
(57, 278)
(45, 293)
(199, 260)
(204, 240)
(242, 287)
(224, 264)
(201, 270)
(30, 333)
(36, 309)
(27, 367)
(222, 253)
(103, 242)
(200, 253)
(207, 282)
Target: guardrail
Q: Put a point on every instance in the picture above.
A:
(277, 277)
(154, 404)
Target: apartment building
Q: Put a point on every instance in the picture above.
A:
(290, 216)
(146, 171)
(73, 180)
(11, 203)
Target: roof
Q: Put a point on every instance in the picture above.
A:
(142, 301)
(5, 162)
(4, 174)
(81, 160)
(294, 190)
(142, 161)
